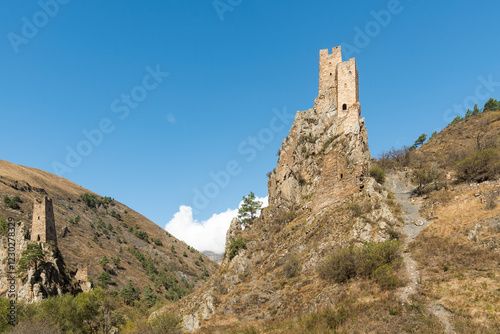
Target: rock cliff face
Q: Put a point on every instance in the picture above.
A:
(321, 198)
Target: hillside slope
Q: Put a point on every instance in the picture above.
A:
(91, 227)
(459, 253)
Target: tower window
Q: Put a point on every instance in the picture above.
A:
(330, 74)
(344, 106)
(350, 72)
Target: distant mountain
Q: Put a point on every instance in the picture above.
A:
(214, 256)
(90, 227)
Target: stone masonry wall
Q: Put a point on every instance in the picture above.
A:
(328, 68)
(43, 228)
(348, 89)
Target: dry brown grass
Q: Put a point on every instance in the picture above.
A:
(460, 269)
(359, 308)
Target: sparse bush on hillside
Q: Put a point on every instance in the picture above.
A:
(491, 200)
(396, 157)
(4, 226)
(13, 202)
(292, 266)
(426, 178)
(480, 166)
(166, 323)
(377, 173)
(142, 235)
(384, 276)
(307, 138)
(360, 208)
(157, 242)
(235, 246)
(115, 215)
(362, 262)
(129, 294)
(104, 279)
(93, 202)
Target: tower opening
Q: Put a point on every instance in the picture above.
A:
(344, 106)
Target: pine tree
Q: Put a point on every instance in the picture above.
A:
(420, 140)
(31, 257)
(249, 208)
(492, 105)
(149, 297)
(129, 294)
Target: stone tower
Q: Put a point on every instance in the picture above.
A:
(339, 80)
(44, 225)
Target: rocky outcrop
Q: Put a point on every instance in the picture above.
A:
(321, 160)
(321, 198)
(48, 279)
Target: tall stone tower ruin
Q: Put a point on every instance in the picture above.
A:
(44, 225)
(338, 84)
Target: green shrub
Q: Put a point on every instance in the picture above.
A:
(13, 202)
(166, 323)
(129, 294)
(141, 235)
(93, 202)
(157, 242)
(384, 276)
(307, 138)
(326, 321)
(4, 226)
(479, 166)
(115, 214)
(363, 261)
(377, 173)
(373, 255)
(339, 267)
(104, 279)
(235, 246)
(103, 261)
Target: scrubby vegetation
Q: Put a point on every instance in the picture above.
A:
(377, 173)
(372, 260)
(234, 247)
(4, 226)
(13, 202)
(92, 201)
(469, 152)
(96, 311)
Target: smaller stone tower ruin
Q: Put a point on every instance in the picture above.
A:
(44, 225)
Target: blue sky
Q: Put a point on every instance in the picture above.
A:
(232, 67)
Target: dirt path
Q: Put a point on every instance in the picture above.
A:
(399, 184)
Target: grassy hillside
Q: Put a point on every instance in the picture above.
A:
(90, 227)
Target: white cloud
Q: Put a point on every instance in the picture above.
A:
(206, 235)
